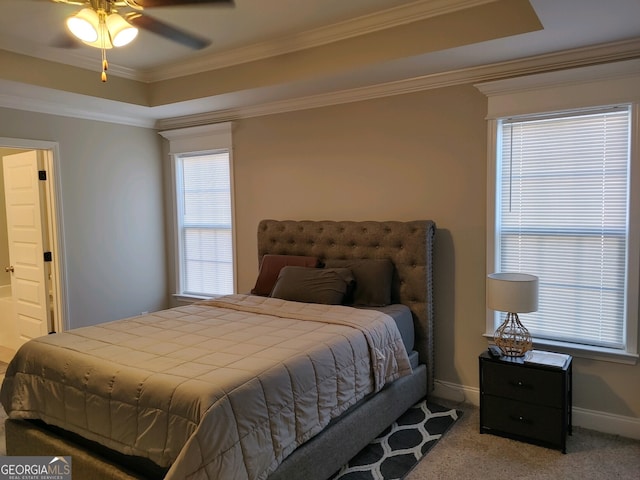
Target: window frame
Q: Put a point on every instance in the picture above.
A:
(199, 140)
(578, 89)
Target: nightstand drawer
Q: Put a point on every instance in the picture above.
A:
(516, 418)
(523, 384)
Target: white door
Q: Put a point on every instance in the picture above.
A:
(29, 279)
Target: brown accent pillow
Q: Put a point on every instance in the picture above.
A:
(313, 285)
(373, 280)
(270, 268)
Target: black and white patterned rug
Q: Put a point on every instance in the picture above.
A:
(400, 447)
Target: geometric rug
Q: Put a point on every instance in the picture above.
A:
(400, 447)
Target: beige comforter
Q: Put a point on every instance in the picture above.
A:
(222, 389)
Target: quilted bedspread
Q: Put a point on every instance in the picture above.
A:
(221, 389)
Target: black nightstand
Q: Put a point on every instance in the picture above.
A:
(525, 401)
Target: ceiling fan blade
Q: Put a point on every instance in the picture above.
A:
(65, 40)
(178, 3)
(167, 31)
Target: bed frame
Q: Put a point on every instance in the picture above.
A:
(409, 245)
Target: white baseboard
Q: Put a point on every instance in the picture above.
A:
(591, 419)
(456, 393)
(607, 422)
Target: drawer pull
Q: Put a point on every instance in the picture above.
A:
(520, 419)
(519, 384)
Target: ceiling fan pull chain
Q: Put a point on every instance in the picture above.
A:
(100, 24)
(103, 36)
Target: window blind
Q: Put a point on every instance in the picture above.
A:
(562, 211)
(206, 226)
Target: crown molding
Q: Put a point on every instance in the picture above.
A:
(392, 17)
(19, 96)
(557, 78)
(200, 138)
(59, 103)
(607, 53)
(576, 88)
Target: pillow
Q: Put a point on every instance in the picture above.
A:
(270, 268)
(373, 280)
(313, 285)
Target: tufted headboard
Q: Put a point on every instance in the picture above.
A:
(409, 245)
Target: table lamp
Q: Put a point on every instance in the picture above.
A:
(512, 293)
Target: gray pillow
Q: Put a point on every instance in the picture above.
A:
(270, 268)
(373, 276)
(313, 285)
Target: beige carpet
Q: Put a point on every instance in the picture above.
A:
(463, 453)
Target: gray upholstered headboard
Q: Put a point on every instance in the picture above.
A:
(409, 245)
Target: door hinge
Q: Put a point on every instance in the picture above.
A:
(47, 257)
(42, 174)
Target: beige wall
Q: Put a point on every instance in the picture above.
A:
(112, 204)
(415, 156)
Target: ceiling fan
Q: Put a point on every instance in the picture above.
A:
(105, 24)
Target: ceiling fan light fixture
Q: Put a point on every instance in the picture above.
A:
(100, 25)
(84, 25)
(121, 31)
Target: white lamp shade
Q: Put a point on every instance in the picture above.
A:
(84, 25)
(121, 31)
(512, 292)
(98, 30)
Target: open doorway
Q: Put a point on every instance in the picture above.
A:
(18, 293)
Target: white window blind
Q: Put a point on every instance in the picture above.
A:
(205, 223)
(562, 214)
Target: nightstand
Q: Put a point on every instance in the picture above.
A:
(525, 401)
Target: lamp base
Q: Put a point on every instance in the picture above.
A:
(512, 337)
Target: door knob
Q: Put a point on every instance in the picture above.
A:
(9, 269)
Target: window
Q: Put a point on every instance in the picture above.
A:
(204, 233)
(562, 209)
(203, 190)
(563, 203)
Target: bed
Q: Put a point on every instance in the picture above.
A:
(334, 438)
